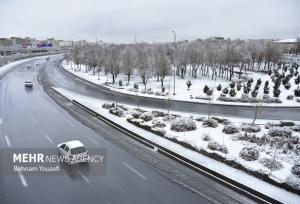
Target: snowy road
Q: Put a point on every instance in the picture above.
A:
(30, 119)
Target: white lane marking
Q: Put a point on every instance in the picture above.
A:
(70, 123)
(84, 177)
(23, 180)
(135, 171)
(7, 140)
(48, 138)
(33, 120)
(199, 193)
(1, 121)
(93, 141)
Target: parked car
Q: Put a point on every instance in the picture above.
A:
(28, 84)
(73, 152)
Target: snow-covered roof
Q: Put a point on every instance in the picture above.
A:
(290, 40)
(74, 143)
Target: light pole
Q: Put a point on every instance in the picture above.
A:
(174, 59)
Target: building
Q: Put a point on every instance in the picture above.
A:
(290, 46)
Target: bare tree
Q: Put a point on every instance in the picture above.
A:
(128, 61)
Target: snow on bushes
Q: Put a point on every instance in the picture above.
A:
(117, 111)
(108, 105)
(245, 98)
(183, 124)
(249, 154)
(210, 123)
(296, 170)
(206, 137)
(169, 117)
(136, 114)
(223, 121)
(156, 113)
(147, 116)
(230, 129)
(217, 147)
(280, 132)
(271, 164)
(250, 128)
(158, 123)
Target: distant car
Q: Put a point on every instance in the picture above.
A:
(73, 152)
(28, 84)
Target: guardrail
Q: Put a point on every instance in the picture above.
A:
(239, 187)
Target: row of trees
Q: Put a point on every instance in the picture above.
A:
(210, 58)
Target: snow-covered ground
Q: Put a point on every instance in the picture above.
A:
(5, 68)
(195, 94)
(196, 139)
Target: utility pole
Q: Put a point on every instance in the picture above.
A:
(174, 59)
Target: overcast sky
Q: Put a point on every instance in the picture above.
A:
(151, 20)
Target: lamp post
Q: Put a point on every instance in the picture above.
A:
(174, 59)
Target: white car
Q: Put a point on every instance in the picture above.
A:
(73, 152)
(28, 84)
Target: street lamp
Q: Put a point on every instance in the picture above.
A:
(174, 59)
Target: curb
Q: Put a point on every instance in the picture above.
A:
(241, 188)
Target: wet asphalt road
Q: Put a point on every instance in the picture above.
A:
(134, 173)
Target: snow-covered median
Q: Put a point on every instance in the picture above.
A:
(256, 148)
(222, 89)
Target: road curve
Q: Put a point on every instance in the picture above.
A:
(65, 79)
(135, 174)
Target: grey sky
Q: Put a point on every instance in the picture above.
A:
(150, 20)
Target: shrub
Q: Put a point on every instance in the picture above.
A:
(271, 164)
(290, 97)
(156, 113)
(217, 147)
(297, 92)
(209, 92)
(205, 89)
(189, 84)
(296, 128)
(183, 124)
(219, 87)
(158, 123)
(169, 117)
(254, 93)
(297, 80)
(258, 82)
(116, 111)
(232, 85)
(136, 114)
(147, 116)
(249, 154)
(287, 86)
(158, 93)
(206, 137)
(230, 129)
(223, 121)
(108, 105)
(280, 132)
(232, 92)
(250, 128)
(210, 123)
(239, 86)
(296, 170)
(276, 92)
(225, 90)
(246, 89)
